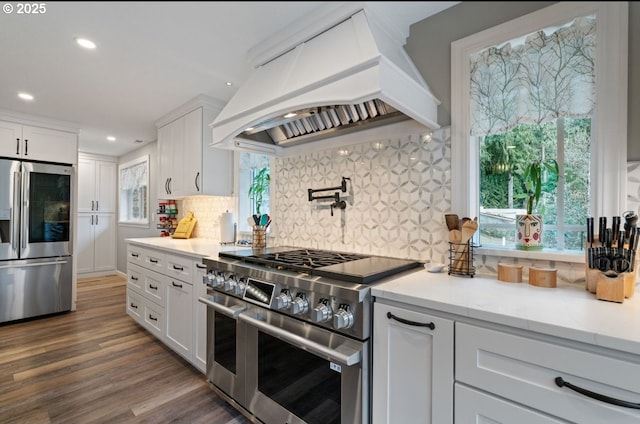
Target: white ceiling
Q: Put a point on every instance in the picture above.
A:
(151, 57)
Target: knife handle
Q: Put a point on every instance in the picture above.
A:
(633, 239)
(615, 227)
(590, 230)
(602, 221)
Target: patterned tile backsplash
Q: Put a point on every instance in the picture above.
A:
(397, 193)
(207, 211)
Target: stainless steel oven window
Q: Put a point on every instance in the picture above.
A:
(292, 368)
(304, 384)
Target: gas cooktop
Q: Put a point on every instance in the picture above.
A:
(356, 268)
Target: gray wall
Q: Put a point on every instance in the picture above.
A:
(429, 46)
(125, 231)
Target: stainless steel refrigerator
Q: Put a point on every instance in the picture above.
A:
(36, 233)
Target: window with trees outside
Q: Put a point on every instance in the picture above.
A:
(133, 185)
(250, 165)
(531, 97)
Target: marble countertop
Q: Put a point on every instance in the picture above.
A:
(196, 247)
(568, 311)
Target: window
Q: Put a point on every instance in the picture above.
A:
(134, 191)
(503, 111)
(250, 166)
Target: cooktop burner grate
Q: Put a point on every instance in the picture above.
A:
(310, 258)
(303, 259)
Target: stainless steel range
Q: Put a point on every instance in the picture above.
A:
(289, 332)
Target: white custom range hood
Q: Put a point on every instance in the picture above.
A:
(350, 77)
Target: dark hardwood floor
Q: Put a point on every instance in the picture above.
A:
(96, 365)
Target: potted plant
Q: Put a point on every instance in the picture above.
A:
(529, 226)
(257, 191)
(259, 187)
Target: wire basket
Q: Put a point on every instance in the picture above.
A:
(461, 259)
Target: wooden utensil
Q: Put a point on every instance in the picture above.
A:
(452, 221)
(462, 250)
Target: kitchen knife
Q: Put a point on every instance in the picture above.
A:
(590, 231)
(601, 228)
(615, 227)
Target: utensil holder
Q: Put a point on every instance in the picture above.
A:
(461, 259)
(259, 237)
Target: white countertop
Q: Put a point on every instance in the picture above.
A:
(568, 311)
(197, 247)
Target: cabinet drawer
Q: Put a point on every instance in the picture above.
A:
(135, 306)
(154, 287)
(153, 259)
(473, 406)
(179, 267)
(154, 319)
(135, 277)
(135, 254)
(525, 370)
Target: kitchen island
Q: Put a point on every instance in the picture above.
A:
(164, 283)
(501, 350)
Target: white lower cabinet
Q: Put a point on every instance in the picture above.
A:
(524, 368)
(474, 406)
(179, 310)
(502, 374)
(162, 295)
(412, 366)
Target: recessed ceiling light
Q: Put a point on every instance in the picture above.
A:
(111, 138)
(87, 44)
(25, 96)
(229, 83)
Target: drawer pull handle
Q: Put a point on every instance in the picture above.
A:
(134, 306)
(152, 318)
(134, 278)
(135, 255)
(603, 398)
(431, 325)
(178, 268)
(201, 266)
(176, 285)
(152, 287)
(153, 261)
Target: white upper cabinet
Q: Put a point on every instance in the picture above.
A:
(37, 143)
(187, 165)
(96, 185)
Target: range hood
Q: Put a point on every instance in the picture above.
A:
(351, 77)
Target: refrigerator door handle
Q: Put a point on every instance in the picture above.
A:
(25, 209)
(15, 219)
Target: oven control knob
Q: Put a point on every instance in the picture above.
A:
(229, 283)
(322, 312)
(209, 280)
(218, 279)
(299, 305)
(343, 318)
(283, 300)
(240, 286)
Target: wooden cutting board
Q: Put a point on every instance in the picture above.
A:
(185, 227)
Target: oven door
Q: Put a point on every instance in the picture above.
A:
(299, 373)
(225, 360)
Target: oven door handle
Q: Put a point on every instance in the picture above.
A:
(232, 312)
(345, 355)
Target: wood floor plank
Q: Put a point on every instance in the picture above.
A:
(96, 365)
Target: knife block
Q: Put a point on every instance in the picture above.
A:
(611, 288)
(592, 276)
